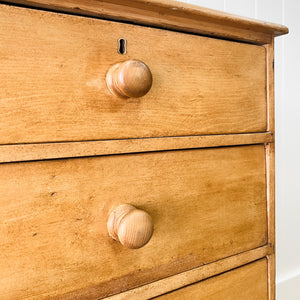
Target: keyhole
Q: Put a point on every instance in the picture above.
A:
(122, 46)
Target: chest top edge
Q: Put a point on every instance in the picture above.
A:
(168, 14)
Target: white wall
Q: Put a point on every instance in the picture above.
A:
(287, 103)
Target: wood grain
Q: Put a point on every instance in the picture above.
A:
(270, 167)
(270, 85)
(247, 283)
(171, 15)
(205, 204)
(129, 79)
(192, 276)
(53, 88)
(28, 152)
(130, 226)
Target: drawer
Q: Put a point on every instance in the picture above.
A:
(53, 69)
(249, 282)
(205, 204)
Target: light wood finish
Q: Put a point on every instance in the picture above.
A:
(212, 209)
(130, 226)
(169, 14)
(129, 79)
(272, 275)
(53, 86)
(270, 167)
(206, 205)
(247, 283)
(27, 152)
(270, 85)
(192, 276)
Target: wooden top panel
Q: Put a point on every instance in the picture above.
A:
(169, 14)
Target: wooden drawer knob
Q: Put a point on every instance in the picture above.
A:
(130, 226)
(129, 79)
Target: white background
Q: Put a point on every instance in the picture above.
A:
(287, 113)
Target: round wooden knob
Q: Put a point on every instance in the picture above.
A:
(129, 79)
(130, 226)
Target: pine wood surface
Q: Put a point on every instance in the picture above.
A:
(129, 79)
(205, 204)
(28, 152)
(53, 87)
(270, 167)
(130, 226)
(249, 282)
(171, 15)
(195, 275)
(54, 104)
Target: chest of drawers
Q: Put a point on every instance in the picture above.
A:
(145, 125)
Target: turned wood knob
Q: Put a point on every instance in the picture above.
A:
(129, 79)
(130, 226)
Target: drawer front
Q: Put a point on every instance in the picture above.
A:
(53, 69)
(205, 204)
(249, 282)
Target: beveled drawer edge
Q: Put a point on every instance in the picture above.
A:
(169, 15)
(245, 282)
(192, 276)
(42, 151)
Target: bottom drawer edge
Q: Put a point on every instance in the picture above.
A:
(249, 282)
(174, 285)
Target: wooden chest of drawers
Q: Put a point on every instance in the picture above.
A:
(163, 106)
